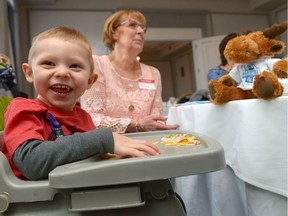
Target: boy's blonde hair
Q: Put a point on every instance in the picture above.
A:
(66, 34)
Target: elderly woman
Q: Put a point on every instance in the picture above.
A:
(127, 94)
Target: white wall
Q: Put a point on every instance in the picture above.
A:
(89, 22)
(173, 34)
(226, 23)
(166, 75)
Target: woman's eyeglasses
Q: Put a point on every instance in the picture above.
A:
(133, 25)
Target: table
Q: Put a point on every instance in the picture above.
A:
(253, 134)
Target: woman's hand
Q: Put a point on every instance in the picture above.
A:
(128, 147)
(155, 122)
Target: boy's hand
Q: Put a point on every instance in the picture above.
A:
(125, 146)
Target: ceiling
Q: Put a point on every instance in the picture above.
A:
(255, 4)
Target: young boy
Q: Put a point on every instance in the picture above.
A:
(43, 133)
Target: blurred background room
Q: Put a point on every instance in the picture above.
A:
(182, 38)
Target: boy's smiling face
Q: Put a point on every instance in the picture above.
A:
(60, 71)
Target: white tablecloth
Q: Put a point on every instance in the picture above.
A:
(253, 134)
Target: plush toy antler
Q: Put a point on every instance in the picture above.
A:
(256, 74)
(275, 30)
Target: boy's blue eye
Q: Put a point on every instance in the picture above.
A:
(75, 66)
(48, 63)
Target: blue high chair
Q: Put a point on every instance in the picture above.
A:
(119, 187)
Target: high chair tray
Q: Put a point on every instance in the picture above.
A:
(174, 161)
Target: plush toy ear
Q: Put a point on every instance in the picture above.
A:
(276, 47)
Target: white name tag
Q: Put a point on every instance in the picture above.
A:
(147, 84)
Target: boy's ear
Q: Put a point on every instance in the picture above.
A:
(92, 79)
(27, 70)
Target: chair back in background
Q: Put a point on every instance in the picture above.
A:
(4, 101)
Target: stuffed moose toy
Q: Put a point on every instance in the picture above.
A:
(257, 73)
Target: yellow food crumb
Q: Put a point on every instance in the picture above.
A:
(108, 156)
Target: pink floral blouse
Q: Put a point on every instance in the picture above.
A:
(113, 101)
